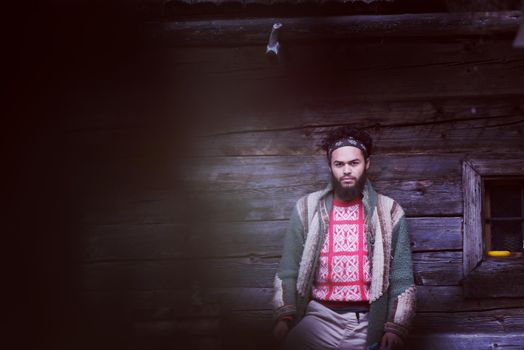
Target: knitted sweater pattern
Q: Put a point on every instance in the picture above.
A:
(392, 290)
(343, 272)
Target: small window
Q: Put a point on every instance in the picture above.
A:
(504, 215)
(493, 220)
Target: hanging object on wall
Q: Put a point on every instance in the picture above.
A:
(273, 45)
(519, 40)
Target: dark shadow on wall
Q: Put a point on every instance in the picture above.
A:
(81, 85)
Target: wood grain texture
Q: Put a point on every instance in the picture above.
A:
(233, 239)
(439, 197)
(418, 198)
(431, 268)
(252, 172)
(451, 341)
(493, 321)
(240, 80)
(435, 233)
(114, 137)
(496, 278)
(462, 341)
(437, 268)
(255, 31)
(255, 188)
(178, 274)
(379, 114)
(511, 164)
(496, 136)
(163, 304)
(497, 321)
(473, 250)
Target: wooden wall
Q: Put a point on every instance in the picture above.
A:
(183, 165)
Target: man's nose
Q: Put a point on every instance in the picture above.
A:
(347, 169)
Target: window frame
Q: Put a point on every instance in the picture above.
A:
(478, 281)
(490, 219)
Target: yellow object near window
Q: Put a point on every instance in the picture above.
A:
(499, 253)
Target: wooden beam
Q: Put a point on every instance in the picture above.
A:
(472, 241)
(241, 32)
(430, 269)
(497, 278)
(163, 304)
(234, 239)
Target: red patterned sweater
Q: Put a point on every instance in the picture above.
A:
(344, 271)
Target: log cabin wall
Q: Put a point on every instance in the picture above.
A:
(183, 166)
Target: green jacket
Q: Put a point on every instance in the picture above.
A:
(392, 290)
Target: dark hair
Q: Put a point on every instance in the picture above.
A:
(343, 132)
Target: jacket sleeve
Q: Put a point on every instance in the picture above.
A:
(285, 284)
(402, 298)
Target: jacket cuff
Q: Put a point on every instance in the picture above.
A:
(287, 311)
(399, 330)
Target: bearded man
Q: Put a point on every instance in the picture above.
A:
(345, 279)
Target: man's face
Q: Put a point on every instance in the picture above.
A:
(348, 169)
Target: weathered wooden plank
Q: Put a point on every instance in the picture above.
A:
(466, 341)
(251, 177)
(492, 321)
(451, 299)
(233, 239)
(166, 304)
(435, 233)
(251, 172)
(316, 6)
(178, 274)
(429, 299)
(439, 341)
(496, 277)
(460, 68)
(511, 164)
(473, 237)
(153, 146)
(439, 197)
(135, 241)
(437, 268)
(418, 198)
(336, 74)
(190, 72)
(431, 268)
(501, 320)
(307, 114)
(500, 135)
(461, 329)
(243, 32)
(258, 181)
(218, 240)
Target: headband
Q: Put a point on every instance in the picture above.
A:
(348, 141)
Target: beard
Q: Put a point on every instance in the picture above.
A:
(348, 193)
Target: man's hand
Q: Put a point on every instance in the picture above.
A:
(391, 341)
(280, 330)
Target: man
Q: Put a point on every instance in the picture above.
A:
(345, 279)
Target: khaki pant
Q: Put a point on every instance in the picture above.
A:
(322, 328)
